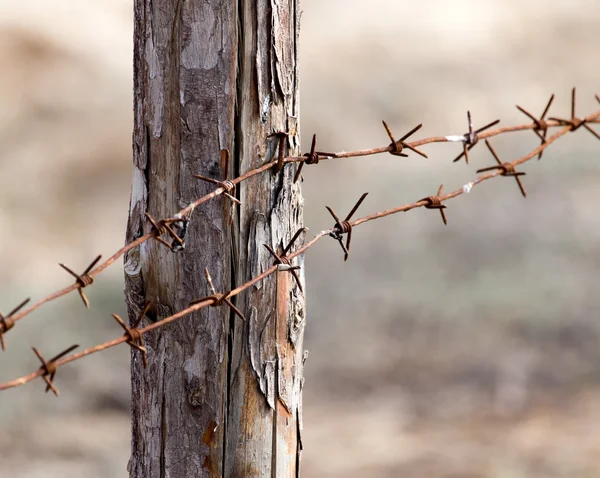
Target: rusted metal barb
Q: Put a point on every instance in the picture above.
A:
(162, 227)
(7, 322)
(283, 139)
(217, 298)
(225, 183)
(344, 227)
(471, 138)
(48, 368)
(574, 122)
(435, 202)
(134, 336)
(311, 158)
(83, 280)
(507, 169)
(396, 147)
(541, 125)
(284, 260)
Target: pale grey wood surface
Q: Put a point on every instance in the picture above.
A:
(220, 397)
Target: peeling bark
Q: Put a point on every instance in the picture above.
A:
(220, 397)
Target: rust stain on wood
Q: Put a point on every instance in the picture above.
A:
(209, 433)
(207, 464)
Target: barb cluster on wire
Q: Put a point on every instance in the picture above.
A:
(175, 227)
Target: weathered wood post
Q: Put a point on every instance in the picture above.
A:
(220, 397)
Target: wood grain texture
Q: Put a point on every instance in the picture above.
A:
(220, 397)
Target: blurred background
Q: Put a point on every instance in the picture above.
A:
(469, 350)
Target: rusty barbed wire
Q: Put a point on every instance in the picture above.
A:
(216, 299)
(83, 280)
(313, 157)
(48, 368)
(435, 202)
(505, 169)
(133, 335)
(159, 226)
(344, 227)
(323, 156)
(574, 122)
(7, 322)
(283, 260)
(396, 147)
(471, 138)
(541, 129)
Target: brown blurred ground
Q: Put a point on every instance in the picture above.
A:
(462, 351)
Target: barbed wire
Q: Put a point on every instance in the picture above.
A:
(133, 335)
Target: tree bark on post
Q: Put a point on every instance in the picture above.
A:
(220, 397)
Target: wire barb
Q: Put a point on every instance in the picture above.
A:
(471, 138)
(284, 260)
(541, 126)
(396, 147)
(283, 139)
(574, 122)
(227, 184)
(7, 323)
(344, 227)
(134, 336)
(83, 280)
(49, 368)
(311, 158)
(162, 227)
(435, 202)
(216, 298)
(507, 169)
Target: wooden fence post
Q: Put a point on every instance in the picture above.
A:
(220, 397)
